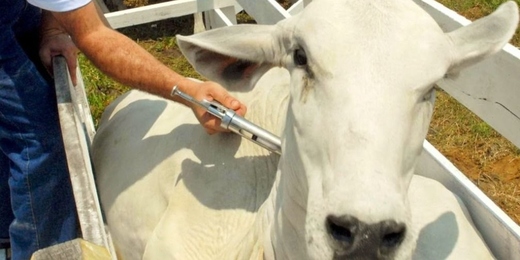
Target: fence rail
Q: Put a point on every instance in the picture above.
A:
(161, 11)
(78, 131)
(490, 89)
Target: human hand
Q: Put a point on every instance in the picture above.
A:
(54, 43)
(212, 91)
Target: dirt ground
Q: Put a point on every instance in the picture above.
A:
(482, 154)
(498, 179)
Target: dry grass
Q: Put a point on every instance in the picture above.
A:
(488, 159)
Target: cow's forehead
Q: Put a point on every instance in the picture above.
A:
(366, 24)
(373, 35)
(367, 13)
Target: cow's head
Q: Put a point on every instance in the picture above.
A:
(361, 99)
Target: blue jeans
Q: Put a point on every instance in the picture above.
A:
(37, 206)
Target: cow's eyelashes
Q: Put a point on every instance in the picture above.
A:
(300, 57)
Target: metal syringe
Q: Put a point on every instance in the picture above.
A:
(235, 123)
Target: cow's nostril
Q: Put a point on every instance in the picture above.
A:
(340, 233)
(392, 239)
(393, 235)
(342, 229)
(352, 238)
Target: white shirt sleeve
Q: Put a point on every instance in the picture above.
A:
(59, 5)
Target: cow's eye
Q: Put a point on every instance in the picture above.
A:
(300, 57)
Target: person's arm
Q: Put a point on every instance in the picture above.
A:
(55, 41)
(125, 61)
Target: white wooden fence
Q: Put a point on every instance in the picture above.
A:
(490, 89)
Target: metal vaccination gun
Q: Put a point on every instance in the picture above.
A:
(235, 123)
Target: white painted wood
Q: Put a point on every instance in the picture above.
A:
(264, 11)
(73, 249)
(303, 2)
(198, 23)
(220, 17)
(499, 231)
(491, 89)
(296, 8)
(78, 130)
(161, 11)
(82, 109)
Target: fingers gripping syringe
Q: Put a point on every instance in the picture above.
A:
(235, 123)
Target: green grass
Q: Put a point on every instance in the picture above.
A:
(101, 90)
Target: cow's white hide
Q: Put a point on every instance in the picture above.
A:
(352, 106)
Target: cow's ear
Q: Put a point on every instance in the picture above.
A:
(235, 56)
(483, 37)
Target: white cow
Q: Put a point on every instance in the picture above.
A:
(352, 103)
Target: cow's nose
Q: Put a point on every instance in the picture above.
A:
(352, 239)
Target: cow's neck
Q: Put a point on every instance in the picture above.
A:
(285, 211)
(285, 215)
(279, 228)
